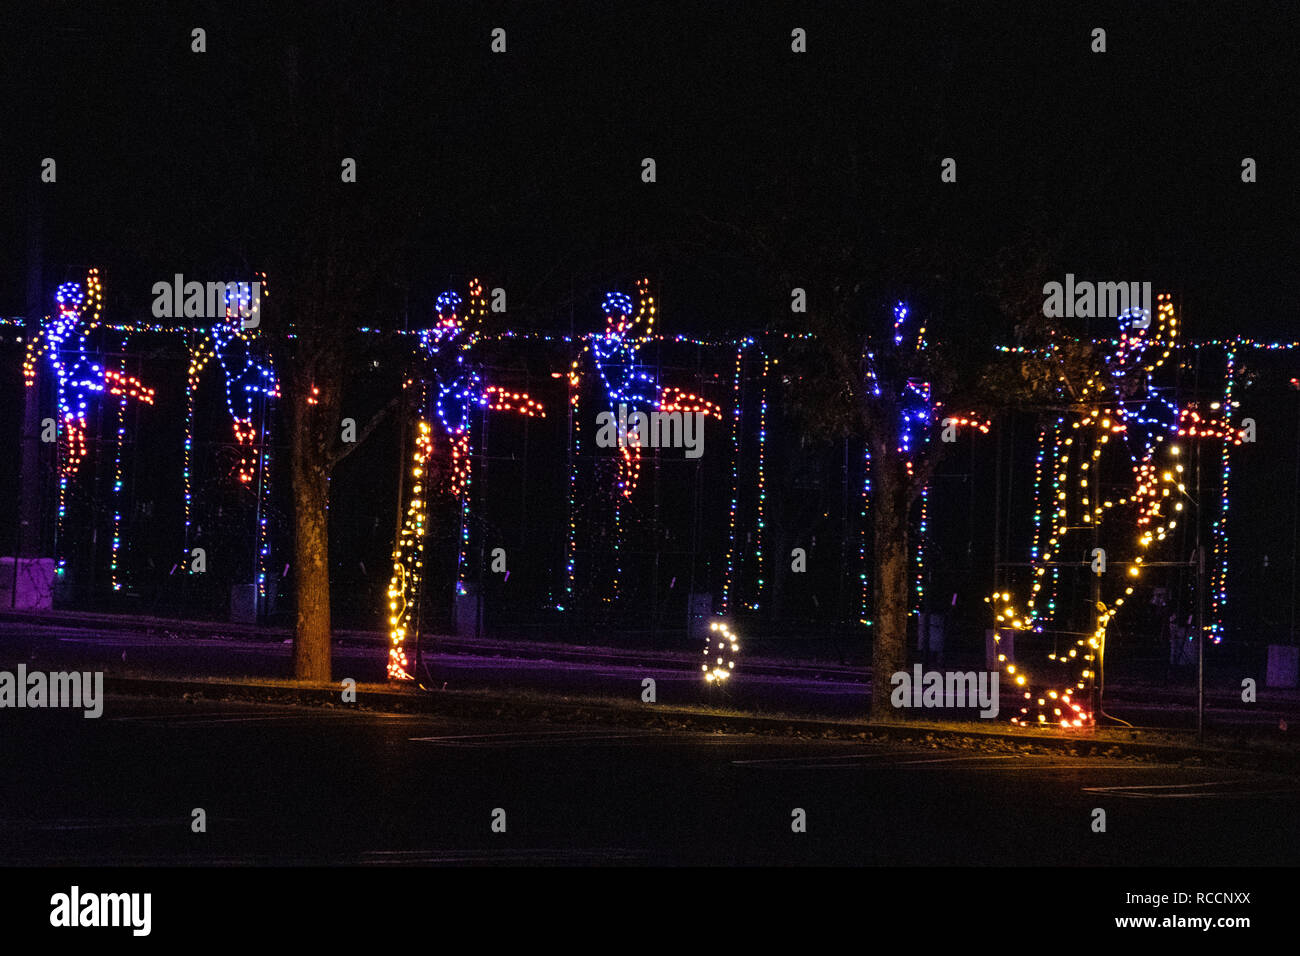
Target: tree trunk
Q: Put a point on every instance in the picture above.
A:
(311, 638)
(889, 649)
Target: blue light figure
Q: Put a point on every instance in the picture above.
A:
(78, 377)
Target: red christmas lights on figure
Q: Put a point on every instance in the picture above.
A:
(250, 384)
(450, 390)
(64, 342)
(631, 392)
(1121, 402)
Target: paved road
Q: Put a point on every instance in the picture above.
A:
(297, 785)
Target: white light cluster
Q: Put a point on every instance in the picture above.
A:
(720, 653)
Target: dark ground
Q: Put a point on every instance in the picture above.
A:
(290, 785)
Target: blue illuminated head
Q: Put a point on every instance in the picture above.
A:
(448, 309)
(1135, 320)
(239, 298)
(70, 297)
(618, 309)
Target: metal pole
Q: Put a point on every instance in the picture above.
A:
(27, 542)
(1200, 581)
(1295, 526)
(524, 523)
(1200, 608)
(841, 611)
(657, 524)
(1096, 614)
(997, 505)
(482, 530)
(695, 510)
(695, 546)
(571, 537)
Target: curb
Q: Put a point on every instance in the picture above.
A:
(527, 650)
(1119, 695)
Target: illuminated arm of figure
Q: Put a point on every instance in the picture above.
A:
(673, 399)
(36, 349)
(499, 399)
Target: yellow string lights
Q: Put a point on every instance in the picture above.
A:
(720, 653)
(451, 392)
(408, 558)
(1077, 501)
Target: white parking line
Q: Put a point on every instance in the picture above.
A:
(966, 763)
(967, 758)
(813, 761)
(1174, 790)
(219, 713)
(505, 855)
(527, 738)
(69, 825)
(185, 720)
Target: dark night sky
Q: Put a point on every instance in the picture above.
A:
(1120, 166)
(529, 162)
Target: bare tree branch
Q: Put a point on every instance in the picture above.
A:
(343, 449)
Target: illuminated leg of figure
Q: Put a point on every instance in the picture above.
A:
(74, 451)
(629, 470)
(246, 439)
